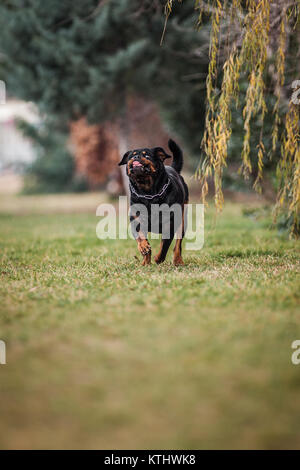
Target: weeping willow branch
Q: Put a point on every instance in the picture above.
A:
(259, 30)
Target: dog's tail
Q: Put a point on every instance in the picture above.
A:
(177, 156)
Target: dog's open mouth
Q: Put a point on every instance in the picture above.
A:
(136, 164)
(138, 168)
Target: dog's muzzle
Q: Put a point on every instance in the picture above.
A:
(137, 167)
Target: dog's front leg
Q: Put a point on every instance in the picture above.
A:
(166, 240)
(177, 258)
(144, 246)
(164, 246)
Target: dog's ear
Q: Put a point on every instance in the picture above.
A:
(124, 159)
(160, 153)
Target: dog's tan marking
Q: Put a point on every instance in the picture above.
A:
(144, 248)
(128, 165)
(177, 258)
(147, 259)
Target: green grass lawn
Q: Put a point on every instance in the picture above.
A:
(105, 353)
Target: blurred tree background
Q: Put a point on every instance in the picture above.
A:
(87, 61)
(104, 81)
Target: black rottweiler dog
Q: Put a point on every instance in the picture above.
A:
(152, 184)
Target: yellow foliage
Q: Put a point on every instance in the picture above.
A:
(250, 56)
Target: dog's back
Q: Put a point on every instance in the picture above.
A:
(178, 183)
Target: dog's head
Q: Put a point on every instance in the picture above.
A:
(143, 166)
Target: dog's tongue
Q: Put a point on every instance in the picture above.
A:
(136, 164)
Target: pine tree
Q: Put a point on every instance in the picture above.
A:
(84, 58)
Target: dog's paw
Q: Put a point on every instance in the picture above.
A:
(144, 247)
(178, 261)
